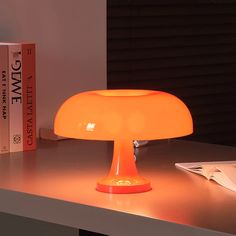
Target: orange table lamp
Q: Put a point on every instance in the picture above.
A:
(123, 116)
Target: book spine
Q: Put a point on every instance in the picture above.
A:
(15, 98)
(4, 117)
(29, 97)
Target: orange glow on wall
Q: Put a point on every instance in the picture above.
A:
(123, 116)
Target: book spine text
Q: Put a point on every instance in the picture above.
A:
(29, 97)
(15, 98)
(4, 117)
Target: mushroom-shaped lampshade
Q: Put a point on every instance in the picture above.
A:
(123, 116)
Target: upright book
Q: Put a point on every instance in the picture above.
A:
(29, 97)
(4, 115)
(15, 98)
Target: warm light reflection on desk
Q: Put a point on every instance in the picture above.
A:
(57, 171)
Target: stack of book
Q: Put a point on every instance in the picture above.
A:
(18, 97)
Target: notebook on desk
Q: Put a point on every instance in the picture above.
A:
(222, 172)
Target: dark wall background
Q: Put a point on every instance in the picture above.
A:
(185, 47)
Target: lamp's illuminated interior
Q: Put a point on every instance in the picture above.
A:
(123, 93)
(123, 116)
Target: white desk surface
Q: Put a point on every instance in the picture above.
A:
(57, 183)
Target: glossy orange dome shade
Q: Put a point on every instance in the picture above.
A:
(123, 116)
(113, 114)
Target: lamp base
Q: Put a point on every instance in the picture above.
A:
(118, 184)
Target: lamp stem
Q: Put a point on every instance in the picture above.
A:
(123, 163)
(123, 176)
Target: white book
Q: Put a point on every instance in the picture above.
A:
(222, 172)
(4, 111)
(15, 98)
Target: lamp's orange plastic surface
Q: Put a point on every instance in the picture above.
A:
(123, 116)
